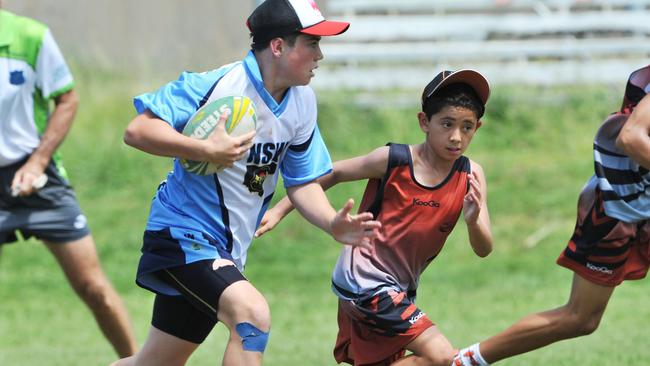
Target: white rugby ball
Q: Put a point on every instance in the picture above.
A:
(242, 119)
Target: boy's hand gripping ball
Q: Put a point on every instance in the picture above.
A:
(242, 119)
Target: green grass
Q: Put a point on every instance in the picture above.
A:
(535, 147)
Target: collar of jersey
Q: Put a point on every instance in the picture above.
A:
(6, 33)
(255, 76)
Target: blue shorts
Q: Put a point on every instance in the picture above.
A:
(162, 249)
(52, 213)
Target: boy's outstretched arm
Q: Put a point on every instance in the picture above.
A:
(274, 215)
(311, 202)
(151, 134)
(476, 213)
(372, 165)
(634, 137)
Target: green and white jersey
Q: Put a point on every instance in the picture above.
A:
(32, 72)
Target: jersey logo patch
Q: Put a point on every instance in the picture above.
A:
(256, 175)
(16, 77)
(419, 202)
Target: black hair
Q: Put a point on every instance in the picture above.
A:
(454, 95)
(289, 38)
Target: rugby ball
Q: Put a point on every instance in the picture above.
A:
(242, 119)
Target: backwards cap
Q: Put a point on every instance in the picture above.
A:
(472, 78)
(277, 18)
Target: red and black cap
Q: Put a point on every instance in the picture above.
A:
(473, 78)
(277, 18)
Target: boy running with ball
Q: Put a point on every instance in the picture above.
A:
(200, 227)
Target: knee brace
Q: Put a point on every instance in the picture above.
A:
(252, 338)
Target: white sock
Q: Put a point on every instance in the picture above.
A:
(470, 356)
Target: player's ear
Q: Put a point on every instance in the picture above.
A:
(424, 122)
(276, 45)
(479, 123)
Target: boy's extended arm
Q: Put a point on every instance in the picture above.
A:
(634, 137)
(151, 134)
(311, 202)
(274, 215)
(372, 165)
(476, 213)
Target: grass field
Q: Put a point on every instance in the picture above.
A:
(535, 147)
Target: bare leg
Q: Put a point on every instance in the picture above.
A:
(580, 316)
(242, 303)
(160, 349)
(430, 348)
(80, 263)
(239, 303)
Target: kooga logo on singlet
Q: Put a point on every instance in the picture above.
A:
(419, 202)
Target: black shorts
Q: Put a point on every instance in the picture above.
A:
(51, 213)
(192, 315)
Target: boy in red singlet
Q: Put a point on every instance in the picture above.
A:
(417, 192)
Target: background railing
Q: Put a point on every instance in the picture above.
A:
(400, 43)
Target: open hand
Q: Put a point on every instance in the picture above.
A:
(473, 199)
(356, 230)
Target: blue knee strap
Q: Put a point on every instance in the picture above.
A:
(252, 338)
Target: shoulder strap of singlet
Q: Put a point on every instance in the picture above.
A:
(398, 155)
(463, 165)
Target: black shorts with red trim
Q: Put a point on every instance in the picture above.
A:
(375, 331)
(605, 250)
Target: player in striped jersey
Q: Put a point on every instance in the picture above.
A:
(611, 241)
(417, 192)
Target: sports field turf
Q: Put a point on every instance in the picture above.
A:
(535, 147)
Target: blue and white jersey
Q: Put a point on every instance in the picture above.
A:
(625, 185)
(215, 216)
